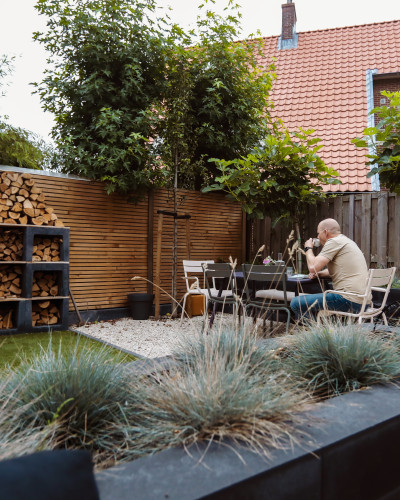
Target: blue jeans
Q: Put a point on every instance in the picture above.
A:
(307, 306)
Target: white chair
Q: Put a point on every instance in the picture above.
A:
(192, 282)
(378, 280)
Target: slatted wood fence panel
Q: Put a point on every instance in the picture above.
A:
(214, 232)
(110, 243)
(371, 219)
(108, 238)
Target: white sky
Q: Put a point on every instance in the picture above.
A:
(20, 20)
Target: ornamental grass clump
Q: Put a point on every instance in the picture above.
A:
(333, 358)
(17, 440)
(225, 387)
(232, 345)
(80, 396)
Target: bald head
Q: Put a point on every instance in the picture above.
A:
(331, 226)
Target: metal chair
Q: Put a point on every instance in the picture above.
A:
(378, 280)
(192, 282)
(268, 299)
(224, 294)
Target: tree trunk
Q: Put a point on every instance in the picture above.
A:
(175, 242)
(299, 254)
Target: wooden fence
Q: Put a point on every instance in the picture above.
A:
(113, 240)
(372, 220)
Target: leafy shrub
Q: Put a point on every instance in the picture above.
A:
(335, 358)
(396, 283)
(21, 148)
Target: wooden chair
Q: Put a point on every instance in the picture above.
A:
(192, 282)
(268, 299)
(378, 280)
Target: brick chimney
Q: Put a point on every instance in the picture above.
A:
(288, 20)
(288, 39)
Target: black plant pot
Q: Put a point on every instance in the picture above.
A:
(392, 308)
(140, 305)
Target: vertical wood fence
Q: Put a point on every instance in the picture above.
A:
(372, 220)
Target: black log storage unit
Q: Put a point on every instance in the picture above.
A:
(22, 306)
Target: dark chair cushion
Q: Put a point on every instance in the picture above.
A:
(49, 475)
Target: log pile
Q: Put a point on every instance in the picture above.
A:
(10, 281)
(44, 284)
(46, 249)
(22, 202)
(45, 313)
(6, 321)
(11, 245)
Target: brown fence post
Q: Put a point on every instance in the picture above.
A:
(366, 227)
(382, 230)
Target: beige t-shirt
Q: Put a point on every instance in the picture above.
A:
(347, 266)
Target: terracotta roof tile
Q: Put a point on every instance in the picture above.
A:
(322, 85)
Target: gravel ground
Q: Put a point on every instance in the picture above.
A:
(155, 339)
(148, 338)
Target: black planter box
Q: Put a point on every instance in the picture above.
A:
(348, 449)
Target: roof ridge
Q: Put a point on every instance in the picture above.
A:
(352, 26)
(324, 29)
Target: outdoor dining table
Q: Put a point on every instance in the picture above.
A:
(296, 284)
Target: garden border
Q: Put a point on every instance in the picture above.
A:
(348, 449)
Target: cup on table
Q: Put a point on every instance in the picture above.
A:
(289, 272)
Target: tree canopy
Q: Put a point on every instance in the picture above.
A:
(105, 73)
(136, 98)
(218, 98)
(279, 177)
(384, 143)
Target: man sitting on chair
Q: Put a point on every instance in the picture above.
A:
(346, 266)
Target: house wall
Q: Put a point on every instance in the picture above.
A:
(388, 84)
(112, 240)
(372, 220)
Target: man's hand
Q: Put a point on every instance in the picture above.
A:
(309, 243)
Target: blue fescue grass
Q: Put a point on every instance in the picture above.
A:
(80, 395)
(333, 358)
(225, 387)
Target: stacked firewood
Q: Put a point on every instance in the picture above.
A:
(46, 249)
(45, 313)
(6, 319)
(10, 281)
(44, 284)
(11, 246)
(22, 202)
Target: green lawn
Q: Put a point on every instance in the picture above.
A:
(13, 347)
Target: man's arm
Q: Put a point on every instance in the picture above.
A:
(317, 263)
(322, 274)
